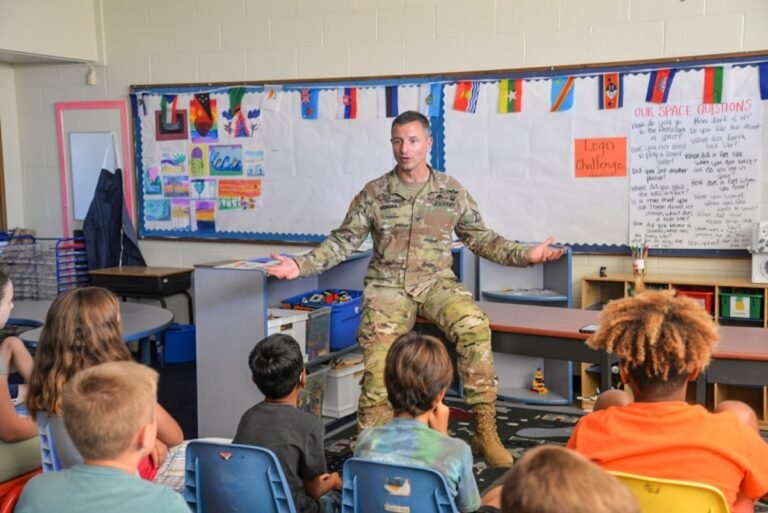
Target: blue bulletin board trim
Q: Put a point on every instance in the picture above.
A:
(438, 133)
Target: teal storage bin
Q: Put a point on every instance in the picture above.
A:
(345, 317)
(179, 344)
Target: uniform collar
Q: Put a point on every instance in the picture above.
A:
(436, 181)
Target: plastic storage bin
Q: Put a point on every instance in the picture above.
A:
(740, 305)
(345, 317)
(705, 299)
(179, 344)
(289, 322)
(342, 391)
(311, 397)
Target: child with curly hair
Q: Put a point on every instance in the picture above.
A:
(663, 341)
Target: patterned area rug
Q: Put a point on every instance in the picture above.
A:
(520, 428)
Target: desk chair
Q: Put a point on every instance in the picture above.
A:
(232, 477)
(376, 486)
(48, 452)
(656, 495)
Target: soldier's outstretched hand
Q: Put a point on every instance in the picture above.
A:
(543, 253)
(287, 269)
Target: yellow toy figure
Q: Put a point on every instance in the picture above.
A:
(537, 384)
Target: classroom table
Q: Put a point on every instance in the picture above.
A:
(741, 358)
(545, 332)
(139, 322)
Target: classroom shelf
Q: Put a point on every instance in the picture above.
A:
(546, 284)
(715, 295)
(231, 313)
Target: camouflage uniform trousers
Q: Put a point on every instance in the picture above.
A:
(391, 312)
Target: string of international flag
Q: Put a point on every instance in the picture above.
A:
(610, 91)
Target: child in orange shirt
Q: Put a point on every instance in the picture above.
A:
(663, 342)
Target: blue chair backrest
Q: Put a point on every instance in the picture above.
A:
(230, 477)
(48, 453)
(375, 486)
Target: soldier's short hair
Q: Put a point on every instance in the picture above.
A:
(410, 116)
(417, 370)
(276, 365)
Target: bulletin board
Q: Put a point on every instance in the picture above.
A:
(669, 154)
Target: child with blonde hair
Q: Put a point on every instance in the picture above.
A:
(109, 412)
(552, 479)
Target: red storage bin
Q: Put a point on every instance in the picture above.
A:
(704, 298)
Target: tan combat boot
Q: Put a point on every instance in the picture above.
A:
(486, 441)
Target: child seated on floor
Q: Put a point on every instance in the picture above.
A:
(109, 413)
(295, 436)
(552, 479)
(417, 373)
(662, 342)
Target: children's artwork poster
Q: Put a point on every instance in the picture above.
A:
(180, 213)
(152, 183)
(198, 160)
(204, 215)
(239, 194)
(173, 163)
(175, 130)
(203, 119)
(225, 159)
(203, 188)
(157, 210)
(175, 186)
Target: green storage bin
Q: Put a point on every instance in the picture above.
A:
(741, 305)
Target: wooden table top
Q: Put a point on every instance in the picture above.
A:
(138, 271)
(736, 342)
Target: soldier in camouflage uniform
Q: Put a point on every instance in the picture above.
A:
(412, 213)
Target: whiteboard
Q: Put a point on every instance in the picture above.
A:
(90, 153)
(520, 167)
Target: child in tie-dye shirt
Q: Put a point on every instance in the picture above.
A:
(418, 372)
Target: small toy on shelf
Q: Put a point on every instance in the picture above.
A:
(537, 384)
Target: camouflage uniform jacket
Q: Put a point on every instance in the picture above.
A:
(411, 238)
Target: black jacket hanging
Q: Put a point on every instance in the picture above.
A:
(110, 239)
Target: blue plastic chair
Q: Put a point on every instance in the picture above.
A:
(48, 453)
(376, 486)
(222, 477)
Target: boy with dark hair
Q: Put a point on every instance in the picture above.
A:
(295, 436)
(552, 479)
(417, 372)
(663, 341)
(109, 413)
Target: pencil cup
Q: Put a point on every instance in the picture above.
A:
(638, 267)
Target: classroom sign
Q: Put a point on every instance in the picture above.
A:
(694, 174)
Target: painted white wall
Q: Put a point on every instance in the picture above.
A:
(173, 41)
(9, 127)
(64, 29)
